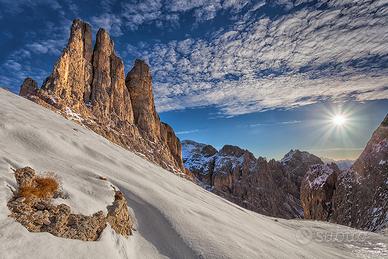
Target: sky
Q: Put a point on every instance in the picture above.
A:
(267, 76)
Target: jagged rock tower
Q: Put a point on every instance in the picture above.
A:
(89, 85)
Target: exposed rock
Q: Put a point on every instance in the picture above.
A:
(118, 216)
(139, 84)
(40, 215)
(236, 175)
(72, 74)
(199, 159)
(359, 196)
(297, 163)
(317, 191)
(89, 86)
(25, 176)
(28, 87)
(110, 98)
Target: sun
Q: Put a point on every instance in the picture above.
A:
(339, 120)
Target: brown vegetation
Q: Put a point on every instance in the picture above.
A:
(33, 208)
(42, 187)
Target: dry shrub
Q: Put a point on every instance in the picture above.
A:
(42, 187)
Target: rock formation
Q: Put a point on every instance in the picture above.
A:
(297, 163)
(72, 74)
(267, 187)
(118, 216)
(89, 86)
(37, 213)
(139, 83)
(359, 195)
(29, 87)
(317, 191)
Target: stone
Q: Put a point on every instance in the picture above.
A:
(25, 176)
(361, 195)
(317, 191)
(235, 174)
(29, 87)
(72, 74)
(41, 215)
(110, 98)
(118, 215)
(139, 84)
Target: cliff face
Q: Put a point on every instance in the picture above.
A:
(267, 187)
(357, 197)
(317, 189)
(89, 85)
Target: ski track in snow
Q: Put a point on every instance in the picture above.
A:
(173, 217)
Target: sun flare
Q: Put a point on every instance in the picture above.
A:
(339, 120)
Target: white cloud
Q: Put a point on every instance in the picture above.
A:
(110, 22)
(185, 132)
(258, 64)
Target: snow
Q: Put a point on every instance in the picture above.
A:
(174, 217)
(288, 156)
(324, 170)
(193, 158)
(72, 115)
(381, 146)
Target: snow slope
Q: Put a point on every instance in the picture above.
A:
(174, 217)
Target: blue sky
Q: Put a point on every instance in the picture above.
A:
(264, 75)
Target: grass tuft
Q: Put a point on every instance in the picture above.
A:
(43, 187)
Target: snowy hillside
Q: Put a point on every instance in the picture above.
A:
(174, 217)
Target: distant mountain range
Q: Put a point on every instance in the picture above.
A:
(343, 164)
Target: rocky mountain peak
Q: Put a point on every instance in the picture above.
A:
(72, 74)
(375, 152)
(89, 84)
(139, 84)
(300, 156)
(232, 151)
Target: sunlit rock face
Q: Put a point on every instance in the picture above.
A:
(263, 186)
(88, 85)
(73, 72)
(357, 197)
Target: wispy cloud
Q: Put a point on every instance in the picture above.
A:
(279, 123)
(185, 132)
(304, 56)
(309, 51)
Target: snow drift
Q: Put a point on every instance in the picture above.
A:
(174, 217)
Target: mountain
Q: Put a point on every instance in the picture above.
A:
(267, 187)
(88, 85)
(357, 197)
(343, 164)
(173, 217)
